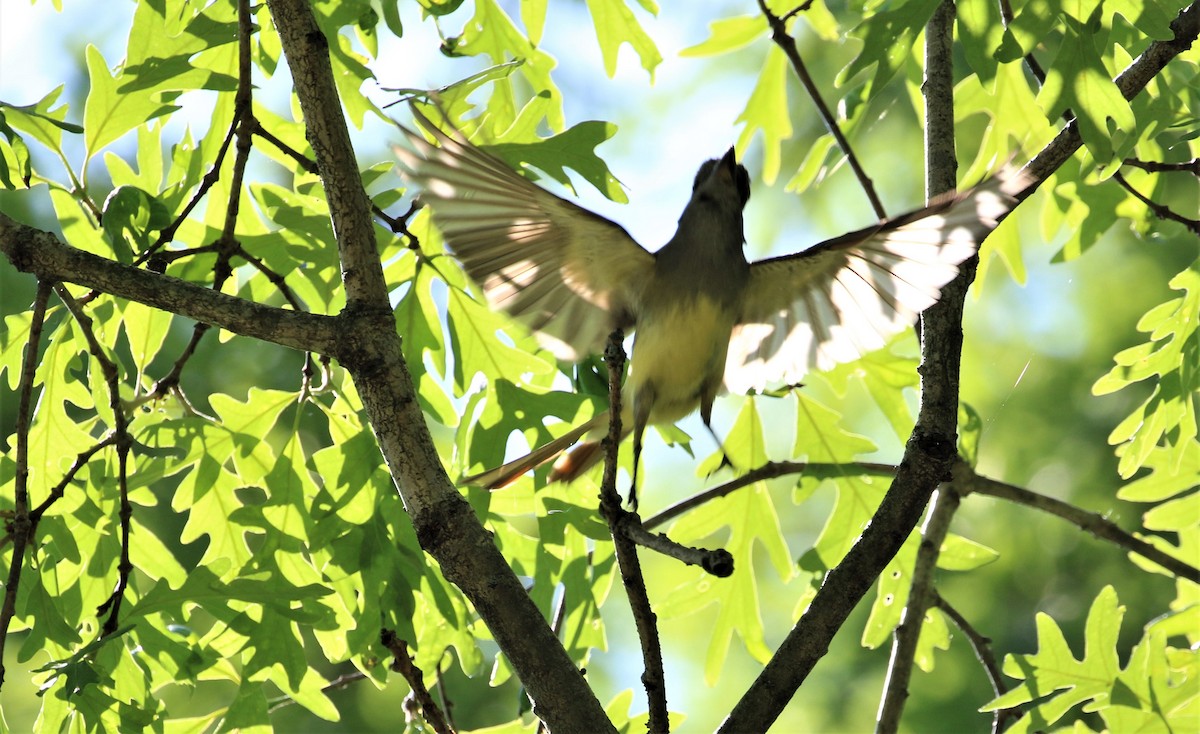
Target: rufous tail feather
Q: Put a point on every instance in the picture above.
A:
(504, 475)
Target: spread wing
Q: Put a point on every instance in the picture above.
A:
(570, 275)
(849, 295)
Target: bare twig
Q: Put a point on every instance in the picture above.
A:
(982, 647)
(967, 480)
(123, 442)
(1160, 210)
(787, 44)
(403, 664)
(1192, 166)
(342, 681)
(398, 225)
(769, 471)
(921, 594)
(626, 551)
(718, 562)
(56, 493)
(21, 528)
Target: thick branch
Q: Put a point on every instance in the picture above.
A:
(307, 52)
(41, 253)
(942, 332)
(446, 525)
(929, 452)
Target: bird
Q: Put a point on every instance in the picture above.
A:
(704, 318)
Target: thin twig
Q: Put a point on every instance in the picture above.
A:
(966, 480)
(787, 44)
(921, 594)
(982, 647)
(769, 471)
(1160, 210)
(342, 681)
(1192, 166)
(227, 245)
(123, 443)
(403, 664)
(397, 225)
(56, 493)
(1031, 62)
(21, 528)
(653, 678)
(717, 562)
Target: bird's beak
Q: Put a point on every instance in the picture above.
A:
(730, 162)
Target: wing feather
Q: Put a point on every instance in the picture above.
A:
(847, 296)
(570, 275)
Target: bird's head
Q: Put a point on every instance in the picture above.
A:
(722, 182)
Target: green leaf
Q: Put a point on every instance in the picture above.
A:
(750, 515)
(886, 375)
(146, 328)
(980, 30)
(1078, 80)
(1029, 27)
(1168, 417)
(492, 33)
(767, 110)
(820, 438)
(574, 149)
(895, 584)
(960, 554)
(248, 713)
(129, 216)
(970, 431)
(41, 120)
(1054, 678)
(744, 445)
(474, 331)
(168, 50)
(728, 34)
(109, 112)
(1165, 480)
(616, 25)
(887, 38)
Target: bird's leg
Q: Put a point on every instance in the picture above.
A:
(642, 402)
(706, 416)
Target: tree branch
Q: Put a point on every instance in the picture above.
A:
(21, 528)
(920, 596)
(929, 453)
(1160, 210)
(41, 253)
(982, 647)
(403, 664)
(787, 44)
(123, 442)
(945, 326)
(770, 470)
(618, 519)
(446, 525)
(966, 480)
